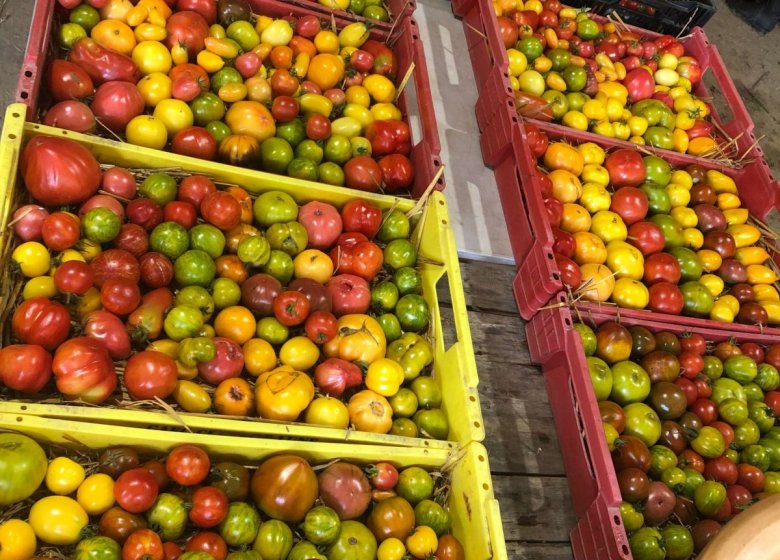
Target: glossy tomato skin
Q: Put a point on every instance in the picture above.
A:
(397, 172)
(208, 542)
(143, 544)
(42, 321)
(194, 141)
(108, 329)
(150, 375)
(181, 212)
(221, 210)
(65, 80)
(194, 188)
(209, 507)
(133, 239)
(625, 166)
(119, 524)
(661, 267)
(363, 174)
(114, 263)
(120, 296)
(25, 367)
(187, 465)
(136, 490)
(665, 298)
(630, 203)
(361, 216)
(291, 308)
(83, 369)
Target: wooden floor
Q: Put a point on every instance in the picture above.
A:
(525, 460)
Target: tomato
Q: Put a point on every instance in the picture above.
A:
(188, 28)
(64, 476)
(285, 487)
(194, 141)
(147, 131)
(150, 374)
(31, 258)
(96, 494)
(66, 80)
(208, 542)
(354, 541)
(136, 490)
(17, 540)
(58, 520)
(363, 173)
(83, 368)
(120, 296)
(422, 542)
(143, 544)
(187, 465)
(168, 516)
(22, 467)
(25, 367)
(397, 172)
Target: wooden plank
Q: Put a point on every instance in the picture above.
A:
(488, 287)
(531, 551)
(534, 509)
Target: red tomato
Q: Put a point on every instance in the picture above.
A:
(58, 171)
(171, 550)
(110, 331)
(181, 212)
(693, 342)
(150, 374)
(73, 277)
(383, 476)
(291, 308)
(630, 203)
(397, 172)
(739, 497)
(772, 400)
(690, 459)
(751, 477)
(355, 254)
(285, 108)
(322, 222)
(537, 140)
(209, 507)
(706, 410)
(321, 326)
(753, 350)
(71, 115)
(156, 270)
(691, 364)
(363, 173)
(554, 210)
(703, 387)
(571, 275)
(722, 470)
(208, 542)
(187, 28)
(191, 72)
(120, 296)
(563, 243)
(689, 388)
(25, 367)
(66, 80)
(221, 210)
(136, 490)
(284, 83)
(625, 166)
(116, 103)
(194, 188)
(661, 267)
(187, 465)
(665, 298)
(84, 369)
(144, 212)
(206, 8)
(647, 237)
(42, 321)
(143, 544)
(133, 239)
(361, 216)
(114, 262)
(194, 141)
(725, 430)
(640, 84)
(308, 26)
(318, 127)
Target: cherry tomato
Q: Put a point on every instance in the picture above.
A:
(321, 326)
(73, 277)
(291, 308)
(187, 465)
(136, 490)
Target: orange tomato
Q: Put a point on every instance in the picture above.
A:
(575, 218)
(370, 412)
(230, 266)
(710, 260)
(251, 118)
(560, 155)
(282, 57)
(114, 35)
(238, 233)
(245, 200)
(313, 264)
(234, 397)
(589, 248)
(597, 282)
(300, 45)
(566, 186)
(259, 356)
(282, 394)
(326, 70)
(236, 323)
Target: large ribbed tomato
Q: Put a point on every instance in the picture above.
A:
(58, 171)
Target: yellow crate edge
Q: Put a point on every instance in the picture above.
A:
(473, 507)
(436, 240)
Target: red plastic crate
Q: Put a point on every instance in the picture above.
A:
(407, 46)
(595, 495)
(488, 54)
(398, 10)
(538, 280)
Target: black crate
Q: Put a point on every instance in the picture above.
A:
(675, 17)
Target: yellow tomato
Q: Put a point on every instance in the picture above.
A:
(686, 217)
(630, 294)
(362, 115)
(614, 110)
(191, 396)
(209, 61)
(88, 249)
(595, 110)
(541, 64)
(517, 62)
(534, 6)
(114, 35)
(40, 286)
(560, 155)
(604, 128)
(17, 540)
(684, 121)
(752, 255)
(150, 32)
(380, 88)
(65, 256)
(386, 112)
(326, 42)
(589, 248)
(638, 140)
(575, 218)
(358, 95)
(693, 238)
(566, 185)
(555, 82)
(736, 216)
(315, 103)
(760, 274)
(64, 475)
(682, 177)
(230, 93)
(423, 542)
(391, 549)
(744, 235)
(614, 90)
(370, 412)
(147, 131)
(299, 353)
(728, 201)
(597, 282)
(175, 114)
(702, 146)
(346, 126)
(625, 260)
(259, 356)
(277, 33)
(609, 226)
(576, 120)
(96, 494)
(313, 264)
(722, 312)
(765, 292)
(354, 35)
(32, 258)
(179, 54)
(772, 309)
(679, 196)
(710, 260)
(638, 125)
(595, 198)
(236, 323)
(154, 88)
(88, 303)
(58, 520)
(283, 393)
(680, 140)
(713, 283)
(622, 132)
(593, 155)
(327, 411)
(152, 56)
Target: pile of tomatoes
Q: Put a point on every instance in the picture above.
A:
(565, 66)
(213, 300)
(634, 231)
(184, 506)
(213, 80)
(691, 427)
(369, 9)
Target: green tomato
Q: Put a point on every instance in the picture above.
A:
(713, 367)
(207, 238)
(241, 524)
(557, 102)
(197, 297)
(413, 313)
(587, 29)
(561, 58)
(427, 392)
(354, 542)
(697, 299)
(170, 239)
(746, 434)
(733, 411)
(646, 544)
(168, 516)
(709, 497)
(576, 100)
(100, 225)
(69, 33)
(741, 368)
(274, 540)
(291, 237)
(659, 137)
(243, 33)
(400, 253)
(254, 250)
(360, 146)
(414, 485)
(97, 548)
(357, 6)
(658, 201)
(377, 13)
(206, 108)
(600, 377)
(310, 150)
(321, 525)
(225, 76)
(194, 268)
(531, 47)
(404, 427)
(756, 455)
(218, 130)
(661, 459)
(331, 174)
(673, 478)
(404, 403)
(772, 447)
(767, 378)
(272, 331)
(302, 168)
(384, 296)
(692, 480)
(671, 230)
(632, 519)
(194, 351)
(225, 292)
(587, 337)
(408, 281)
(724, 388)
(183, 321)
(658, 171)
(293, 132)
(276, 154)
(690, 265)
(772, 482)
(642, 422)
(762, 415)
(576, 78)
(429, 513)
(84, 15)
(338, 149)
(303, 550)
(395, 225)
(159, 187)
(280, 266)
(274, 207)
(432, 423)
(678, 542)
(630, 383)
(709, 442)
(390, 326)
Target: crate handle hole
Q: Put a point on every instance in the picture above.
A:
(19, 419)
(24, 407)
(624, 548)
(27, 74)
(477, 425)
(15, 115)
(444, 222)
(425, 442)
(24, 95)
(472, 398)
(485, 486)
(481, 458)
(12, 136)
(556, 276)
(550, 256)
(567, 321)
(441, 202)
(617, 520)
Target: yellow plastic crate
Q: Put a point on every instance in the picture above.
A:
(476, 519)
(454, 366)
